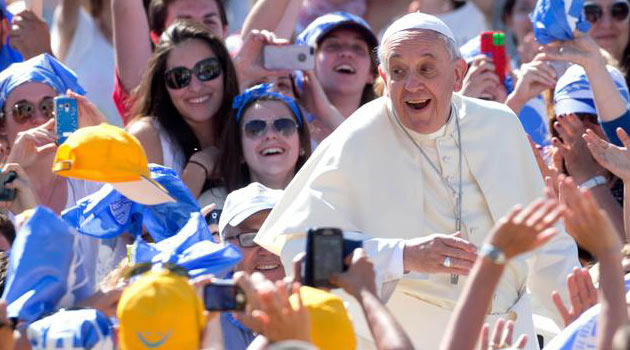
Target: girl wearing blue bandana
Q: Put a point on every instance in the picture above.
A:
(265, 141)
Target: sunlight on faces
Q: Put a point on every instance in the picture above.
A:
(200, 100)
(342, 62)
(420, 78)
(272, 155)
(255, 259)
(31, 92)
(610, 34)
(204, 12)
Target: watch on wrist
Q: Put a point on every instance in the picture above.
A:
(592, 182)
(493, 254)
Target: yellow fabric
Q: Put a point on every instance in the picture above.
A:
(102, 153)
(331, 328)
(160, 310)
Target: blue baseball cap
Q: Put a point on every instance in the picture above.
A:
(323, 25)
(573, 93)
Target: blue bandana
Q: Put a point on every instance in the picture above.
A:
(40, 69)
(8, 55)
(191, 248)
(556, 20)
(45, 267)
(259, 91)
(107, 213)
(75, 329)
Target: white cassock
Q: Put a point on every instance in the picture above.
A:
(369, 177)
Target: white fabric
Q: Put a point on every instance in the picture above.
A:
(172, 155)
(466, 22)
(91, 57)
(368, 177)
(417, 20)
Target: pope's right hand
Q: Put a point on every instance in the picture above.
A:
(429, 254)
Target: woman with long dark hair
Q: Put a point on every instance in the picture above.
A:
(184, 101)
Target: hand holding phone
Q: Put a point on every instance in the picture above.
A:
(7, 194)
(66, 117)
(324, 256)
(223, 295)
(493, 45)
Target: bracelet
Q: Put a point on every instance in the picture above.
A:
(592, 182)
(493, 254)
(205, 170)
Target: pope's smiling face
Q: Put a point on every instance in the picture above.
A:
(421, 75)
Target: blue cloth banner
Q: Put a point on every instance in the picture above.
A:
(556, 20)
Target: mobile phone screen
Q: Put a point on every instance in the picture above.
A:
(328, 257)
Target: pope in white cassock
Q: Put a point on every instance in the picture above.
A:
(412, 169)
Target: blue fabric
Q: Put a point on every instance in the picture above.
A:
(610, 128)
(259, 91)
(556, 20)
(323, 25)
(533, 117)
(76, 329)
(8, 55)
(107, 213)
(45, 266)
(235, 335)
(191, 248)
(40, 69)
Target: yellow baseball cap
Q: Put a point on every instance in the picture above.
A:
(331, 328)
(106, 153)
(160, 310)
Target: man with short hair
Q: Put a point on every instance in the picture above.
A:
(424, 174)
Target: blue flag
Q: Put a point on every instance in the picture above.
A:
(556, 20)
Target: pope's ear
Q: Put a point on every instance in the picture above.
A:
(460, 67)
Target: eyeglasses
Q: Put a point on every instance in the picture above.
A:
(205, 70)
(24, 110)
(256, 127)
(246, 240)
(139, 269)
(618, 11)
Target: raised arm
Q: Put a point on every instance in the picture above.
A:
(131, 41)
(522, 230)
(65, 25)
(265, 15)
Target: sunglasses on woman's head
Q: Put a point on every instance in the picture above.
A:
(205, 70)
(594, 12)
(256, 127)
(22, 111)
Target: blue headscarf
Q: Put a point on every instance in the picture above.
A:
(107, 213)
(191, 248)
(39, 69)
(556, 20)
(45, 267)
(8, 55)
(259, 91)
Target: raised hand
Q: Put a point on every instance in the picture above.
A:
(481, 80)
(615, 159)
(360, 275)
(582, 293)
(501, 336)
(32, 144)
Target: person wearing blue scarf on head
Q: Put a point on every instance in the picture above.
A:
(8, 55)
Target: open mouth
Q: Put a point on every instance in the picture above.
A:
(267, 267)
(198, 100)
(345, 69)
(418, 104)
(271, 151)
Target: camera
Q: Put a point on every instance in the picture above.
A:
(289, 57)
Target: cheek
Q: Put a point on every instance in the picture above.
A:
(249, 147)
(249, 258)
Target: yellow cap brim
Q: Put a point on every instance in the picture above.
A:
(145, 191)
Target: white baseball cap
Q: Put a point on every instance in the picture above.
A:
(418, 20)
(245, 202)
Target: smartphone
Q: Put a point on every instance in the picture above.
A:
(67, 117)
(7, 194)
(289, 57)
(493, 45)
(324, 256)
(223, 295)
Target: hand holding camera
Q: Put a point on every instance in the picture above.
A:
(16, 190)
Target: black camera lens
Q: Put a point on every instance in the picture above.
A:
(301, 57)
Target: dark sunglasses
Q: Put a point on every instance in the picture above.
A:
(24, 110)
(246, 240)
(205, 70)
(618, 11)
(139, 269)
(257, 127)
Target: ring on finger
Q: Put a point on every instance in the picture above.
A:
(447, 261)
